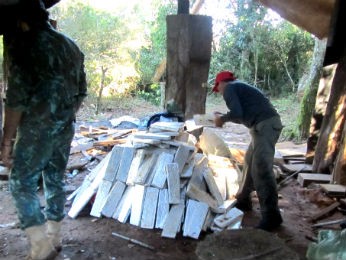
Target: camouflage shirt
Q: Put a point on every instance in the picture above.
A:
(46, 78)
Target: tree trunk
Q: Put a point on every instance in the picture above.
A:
(183, 6)
(329, 143)
(188, 59)
(102, 85)
(309, 84)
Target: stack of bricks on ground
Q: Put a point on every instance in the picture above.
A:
(156, 180)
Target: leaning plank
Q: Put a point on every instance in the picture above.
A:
(145, 168)
(162, 208)
(124, 208)
(159, 173)
(113, 164)
(100, 199)
(301, 167)
(86, 194)
(304, 179)
(181, 156)
(125, 164)
(325, 211)
(173, 221)
(149, 207)
(136, 162)
(195, 193)
(173, 180)
(137, 205)
(196, 214)
(213, 189)
(197, 178)
(188, 169)
(113, 199)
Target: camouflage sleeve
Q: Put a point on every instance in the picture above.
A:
(19, 88)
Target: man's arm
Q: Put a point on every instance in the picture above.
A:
(12, 120)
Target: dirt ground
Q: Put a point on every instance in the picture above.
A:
(87, 237)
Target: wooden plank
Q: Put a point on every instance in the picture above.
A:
(230, 218)
(137, 204)
(195, 193)
(196, 214)
(162, 208)
(136, 162)
(88, 192)
(181, 156)
(113, 164)
(173, 221)
(113, 199)
(123, 210)
(168, 126)
(146, 168)
(334, 189)
(325, 211)
(159, 173)
(304, 179)
(301, 167)
(149, 208)
(155, 136)
(100, 198)
(213, 189)
(173, 180)
(188, 170)
(125, 163)
(197, 179)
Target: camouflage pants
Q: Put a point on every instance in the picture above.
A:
(258, 165)
(40, 153)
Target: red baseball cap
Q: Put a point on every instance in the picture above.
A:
(223, 76)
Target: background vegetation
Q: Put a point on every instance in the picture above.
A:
(125, 47)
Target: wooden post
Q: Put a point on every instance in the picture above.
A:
(189, 40)
(329, 143)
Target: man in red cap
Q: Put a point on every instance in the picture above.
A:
(248, 106)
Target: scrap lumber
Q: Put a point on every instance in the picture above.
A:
(134, 241)
(159, 176)
(134, 168)
(167, 126)
(145, 168)
(213, 188)
(173, 181)
(334, 190)
(173, 221)
(325, 211)
(162, 208)
(137, 205)
(113, 199)
(301, 167)
(125, 163)
(181, 156)
(195, 193)
(155, 136)
(91, 183)
(195, 216)
(230, 218)
(101, 196)
(149, 208)
(123, 210)
(304, 179)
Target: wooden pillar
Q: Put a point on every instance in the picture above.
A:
(319, 112)
(329, 143)
(189, 40)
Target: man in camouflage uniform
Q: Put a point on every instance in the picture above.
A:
(46, 86)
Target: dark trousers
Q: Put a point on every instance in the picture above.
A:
(258, 166)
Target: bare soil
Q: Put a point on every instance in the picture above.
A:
(87, 237)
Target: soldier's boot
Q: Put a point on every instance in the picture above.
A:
(40, 246)
(53, 233)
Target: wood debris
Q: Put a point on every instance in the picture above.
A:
(163, 184)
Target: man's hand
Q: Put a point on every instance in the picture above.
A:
(6, 152)
(217, 119)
